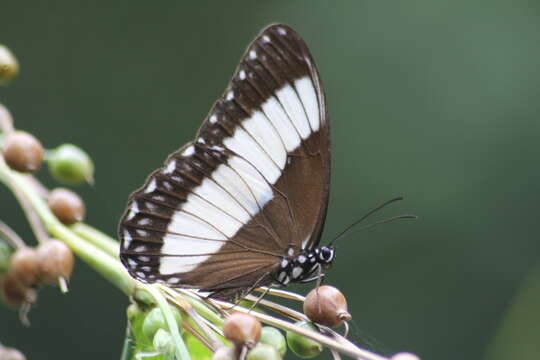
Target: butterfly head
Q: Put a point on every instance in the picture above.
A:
(326, 256)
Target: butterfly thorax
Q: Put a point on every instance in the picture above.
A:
(306, 266)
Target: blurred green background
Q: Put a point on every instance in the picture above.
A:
(434, 100)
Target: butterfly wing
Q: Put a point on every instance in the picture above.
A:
(250, 189)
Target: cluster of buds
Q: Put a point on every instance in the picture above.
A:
(68, 163)
(324, 305)
(50, 263)
(24, 269)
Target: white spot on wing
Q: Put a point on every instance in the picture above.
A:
(190, 150)
(252, 54)
(133, 210)
(151, 187)
(308, 96)
(144, 221)
(173, 280)
(171, 166)
(127, 239)
(245, 146)
(213, 119)
(242, 75)
(214, 194)
(266, 135)
(233, 184)
(275, 113)
(297, 271)
(290, 101)
(258, 187)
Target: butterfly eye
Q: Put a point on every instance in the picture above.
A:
(327, 254)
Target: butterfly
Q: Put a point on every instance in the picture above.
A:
(243, 205)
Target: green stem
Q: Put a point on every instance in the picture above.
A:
(97, 238)
(127, 349)
(101, 261)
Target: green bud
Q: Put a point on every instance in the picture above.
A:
(163, 343)
(225, 353)
(69, 164)
(133, 311)
(272, 336)
(155, 320)
(263, 352)
(5, 254)
(302, 346)
(9, 67)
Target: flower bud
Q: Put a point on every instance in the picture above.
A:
(327, 306)
(163, 343)
(133, 311)
(242, 329)
(8, 353)
(302, 346)
(69, 164)
(67, 206)
(17, 294)
(154, 320)
(263, 352)
(9, 67)
(404, 356)
(56, 261)
(23, 152)
(25, 266)
(272, 336)
(225, 353)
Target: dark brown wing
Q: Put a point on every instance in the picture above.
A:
(252, 187)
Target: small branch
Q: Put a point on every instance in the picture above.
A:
(6, 120)
(11, 236)
(33, 218)
(97, 238)
(282, 293)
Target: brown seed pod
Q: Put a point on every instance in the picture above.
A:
(404, 356)
(242, 330)
(8, 353)
(56, 260)
(17, 294)
(23, 152)
(66, 205)
(25, 266)
(327, 306)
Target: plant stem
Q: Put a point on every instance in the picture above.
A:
(127, 349)
(97, 238)
(11, 236)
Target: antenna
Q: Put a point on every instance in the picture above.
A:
(371, 212)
